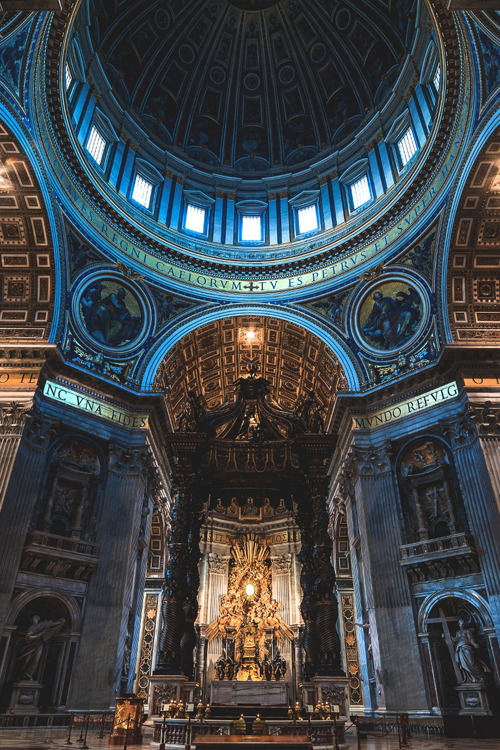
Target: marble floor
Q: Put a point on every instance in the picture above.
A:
(55, 739)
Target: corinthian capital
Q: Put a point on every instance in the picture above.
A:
(13, 417)
(372, 460)
(127, 460)
(460, 432)
(486, 417)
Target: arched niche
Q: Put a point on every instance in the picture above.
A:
(458, 644)
(69, 502)
(43, 631)
(430, 495)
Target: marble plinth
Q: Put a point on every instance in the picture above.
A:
(262, 693)
(473, 699)
(24, 698)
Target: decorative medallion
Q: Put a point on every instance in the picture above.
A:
(391, 315)
(111, 313)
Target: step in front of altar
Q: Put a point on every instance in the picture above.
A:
(252, 742)
(259, 693)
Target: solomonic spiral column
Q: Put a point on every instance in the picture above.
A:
(180, 593)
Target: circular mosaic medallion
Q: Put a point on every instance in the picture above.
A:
(391, 315)
(111, 313)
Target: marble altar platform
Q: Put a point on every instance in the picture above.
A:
(260, 693)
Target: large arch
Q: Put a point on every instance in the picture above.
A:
(301, 317)
(472, 210)
(30, 266)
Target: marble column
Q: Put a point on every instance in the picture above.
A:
(471, 463)
(26, 456)
(110, 601)
(392, 629)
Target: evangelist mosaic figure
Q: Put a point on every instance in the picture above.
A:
(109, 319)
(393, 318)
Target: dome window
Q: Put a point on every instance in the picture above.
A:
(407, 147)
(195, 219)
(251, 229)
(251, 219)
(360, 192)
(96, 145)
(142, 191)
(307, 219)
(68, 77)
(437, 78)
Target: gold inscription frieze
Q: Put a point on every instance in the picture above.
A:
(404, 408)
(91, 405)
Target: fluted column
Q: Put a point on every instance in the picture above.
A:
(20, 482)
(112, 589)
(480, 502)
(396, 657)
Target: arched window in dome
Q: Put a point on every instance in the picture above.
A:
(96, 145)
(197, 212)
(360, 192)
(306, 212)
(68, 77)
(407, 146)
(142, 191)
(251, 221)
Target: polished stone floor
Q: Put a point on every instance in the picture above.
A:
(55, 739)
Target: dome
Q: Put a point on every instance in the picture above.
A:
(237, 138)
(249, 87)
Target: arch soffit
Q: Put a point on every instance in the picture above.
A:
(452, 216)
(301, 319)
(45, 239)
(472, 597)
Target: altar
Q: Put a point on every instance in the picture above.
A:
(249, 693)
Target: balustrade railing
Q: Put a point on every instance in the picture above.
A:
(63, 543)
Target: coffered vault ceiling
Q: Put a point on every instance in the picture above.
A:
(252, 85)
(214, 356)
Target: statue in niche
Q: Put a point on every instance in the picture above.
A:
(233, 507)
(73, 479)
(428, 486)
(38, 634)
(471, 667)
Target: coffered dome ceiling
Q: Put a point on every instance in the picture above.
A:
(251, 85)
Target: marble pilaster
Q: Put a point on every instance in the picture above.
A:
(480, 503)
(397, 665)
(21, 479)
(113, 585)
